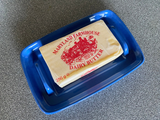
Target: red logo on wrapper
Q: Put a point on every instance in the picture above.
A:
(79, 50)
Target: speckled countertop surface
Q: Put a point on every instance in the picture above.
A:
(135, 97)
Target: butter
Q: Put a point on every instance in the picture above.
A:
(80, 53)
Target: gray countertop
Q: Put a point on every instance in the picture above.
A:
(135, 97)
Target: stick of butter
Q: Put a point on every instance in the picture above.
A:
(80, 52)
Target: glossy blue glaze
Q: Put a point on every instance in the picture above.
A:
(51, 98)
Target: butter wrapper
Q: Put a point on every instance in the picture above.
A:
(81, 52)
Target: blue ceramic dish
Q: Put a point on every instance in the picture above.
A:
(51, 98)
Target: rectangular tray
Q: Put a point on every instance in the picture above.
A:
(51, 98)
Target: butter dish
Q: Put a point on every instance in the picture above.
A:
(49, 96)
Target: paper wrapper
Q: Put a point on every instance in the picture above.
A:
(80, 52)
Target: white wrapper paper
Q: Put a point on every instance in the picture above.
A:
(80, 52)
